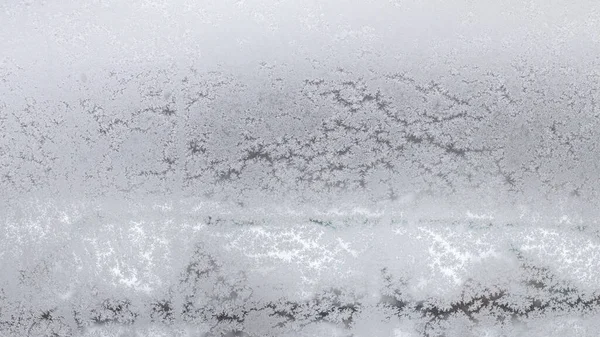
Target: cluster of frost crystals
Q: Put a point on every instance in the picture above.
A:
(485, 139)
(281, 168)
(198, 269)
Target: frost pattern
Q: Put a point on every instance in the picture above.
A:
(163, 175)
